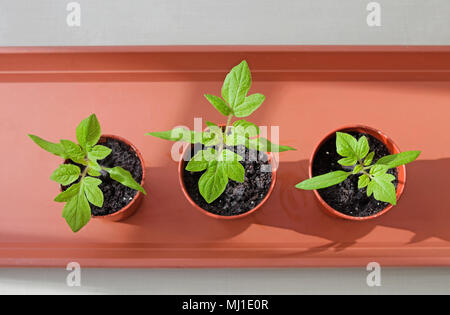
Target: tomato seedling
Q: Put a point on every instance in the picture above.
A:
(219, 163)
(355, 154)
(84, 184)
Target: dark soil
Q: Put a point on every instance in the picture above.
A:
(346, 197)
(238, 198)
(116, 195)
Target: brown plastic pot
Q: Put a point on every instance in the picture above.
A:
(181, 167)
(393, 149)
(134, 204)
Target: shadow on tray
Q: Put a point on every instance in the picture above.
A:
(424, 210)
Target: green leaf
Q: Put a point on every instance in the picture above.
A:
(124, 177)
(219, 104)
(77, 211)
(363, 181)
(69, 193)
(370, 188)
(237, 84)
(243, 127)
(214, 135)
(66, 174)
(199, 162)
(250, 104)
(346, 145)
(369, 158)
(358, 168)
(395, 160)
(384, 189)
(377, 170)
(362, 148)
(99, 152)
(235, 171)
(348, 161)
(264, 145)
(182, 134)
(93, 172)
(230, 156)
(92, 191)
(196, 166)
(211, 124)
(213, 182)
(88, 132)
(54, 148)
(235, 139)
(73, 151)
(323, 181)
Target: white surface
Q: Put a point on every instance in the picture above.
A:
(170, 22)
(226, 281)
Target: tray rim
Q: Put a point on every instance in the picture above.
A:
(222, 48)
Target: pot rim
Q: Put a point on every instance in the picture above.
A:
(138, 194)
(392, 147)
(181, 164)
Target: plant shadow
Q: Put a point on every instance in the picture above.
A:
(422, 210)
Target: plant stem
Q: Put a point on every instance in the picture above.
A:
(225, 132)
(228, 123)
(364, 170)
(83, 175)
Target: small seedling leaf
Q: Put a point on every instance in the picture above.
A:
(395, 160)
(219, 104)
(362, 148)
(213, 135)
(357, 169)
(262, 144)
(54, 148)
(378, 170)
(346, 145)
(213, 182)
(93, 172)
(99, 152)
(77, 211)
(235, 171)
(73, 151)
(182, 134)
(236, 85)
(347, 161)
(245, 128)
(92, 191)
(363, 181)
(66, 174)
(230, 156)
(250, 104)
(384, 189)
(69, 193)
(369, 158)
(124, 177)
(323, 181)
(88, 132)
(200, 161)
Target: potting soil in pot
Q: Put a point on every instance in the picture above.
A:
(238, 198)
(346, 197)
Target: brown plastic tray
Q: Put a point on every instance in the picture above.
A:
(405, 92)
